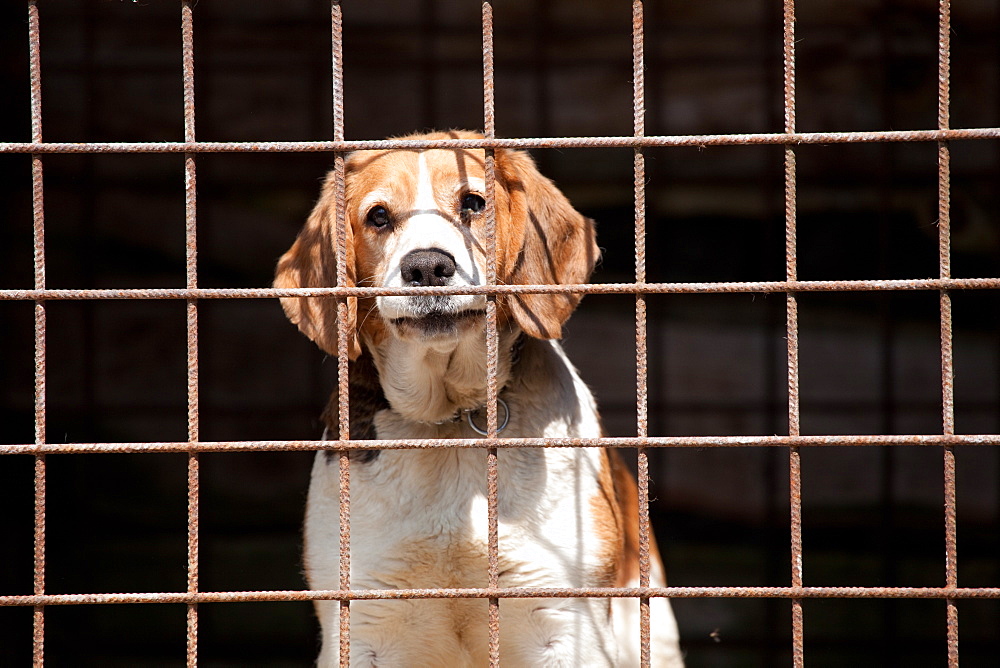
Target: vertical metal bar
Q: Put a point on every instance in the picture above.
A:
(642, 396)
(492, 463)
(428, 31)
(947, 361)
(792, 334)
(343, 334)
(38, 215)
(541, 26)
(191, 257)
(776, 559)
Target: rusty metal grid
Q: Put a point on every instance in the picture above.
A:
(949, 592)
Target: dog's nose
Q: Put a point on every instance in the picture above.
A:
(428, 267)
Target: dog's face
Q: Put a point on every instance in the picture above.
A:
(418, 218)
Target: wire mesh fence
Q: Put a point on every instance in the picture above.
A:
(42, 598)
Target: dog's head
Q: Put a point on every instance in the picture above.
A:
(417, 218)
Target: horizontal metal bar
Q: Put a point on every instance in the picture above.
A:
(506, 592)
(526, 142)
(592, 288)
(431, 444)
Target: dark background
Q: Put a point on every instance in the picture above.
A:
(869, 362)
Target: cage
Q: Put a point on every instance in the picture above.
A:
(794, 325)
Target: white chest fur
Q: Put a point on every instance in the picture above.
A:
(419, 520)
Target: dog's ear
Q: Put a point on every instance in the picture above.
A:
(558, 246)
(311, 262)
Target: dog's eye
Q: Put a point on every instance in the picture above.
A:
(472, 203)
(378, 217)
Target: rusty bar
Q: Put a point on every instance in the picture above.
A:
(935, 440)
(913, 593)
(792, 334)
(641, 353)
(191, 261)
(650, 141)
(343, 334)
(38, 219)
(947, 359)
(492, 455)
(583, 288)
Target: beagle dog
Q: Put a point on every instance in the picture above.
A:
(567, 516)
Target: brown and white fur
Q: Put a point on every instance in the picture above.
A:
(567, 516)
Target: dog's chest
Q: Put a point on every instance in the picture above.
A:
(419, 518)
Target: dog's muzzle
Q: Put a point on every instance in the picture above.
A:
(430, 315)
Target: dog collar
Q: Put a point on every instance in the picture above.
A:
(469, 412)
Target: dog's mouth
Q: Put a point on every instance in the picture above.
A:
(439, 323)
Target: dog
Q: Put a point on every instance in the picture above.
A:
(568, 517)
